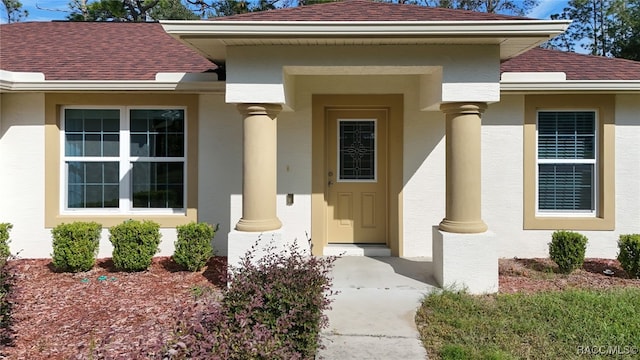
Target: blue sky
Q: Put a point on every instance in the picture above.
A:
(46, 10)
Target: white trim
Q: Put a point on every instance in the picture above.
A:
(301, 29)
(125, 161)
(595, 162)
(375, 153)
(22, 81)
(570, 86)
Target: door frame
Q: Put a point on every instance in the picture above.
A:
(394, 104)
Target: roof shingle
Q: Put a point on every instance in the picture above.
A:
(95, 51)
(576, 66)
(366, 10)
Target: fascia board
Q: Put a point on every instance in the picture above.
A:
(573, 86)
(350, 29)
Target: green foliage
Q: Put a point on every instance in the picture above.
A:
(544, 325)
(272, 309)
(134, 244)
(567, 249)
(5, 285)
(509, 7)
(75, 245)
(14, 11)
(193, 247)
(629, 254)
(127, 10)
(5, 252)
(603, 27)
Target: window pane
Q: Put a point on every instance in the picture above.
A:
(92, 184)
(157, 133)
(158, 184)
(566, 187)
(91, 132)
(357, 150)
(566, 135)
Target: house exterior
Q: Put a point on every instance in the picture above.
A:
(367, 128)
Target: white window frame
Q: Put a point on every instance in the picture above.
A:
(125, 161)
(594, 162)
(375, 154)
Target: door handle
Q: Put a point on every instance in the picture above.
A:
(330, 183)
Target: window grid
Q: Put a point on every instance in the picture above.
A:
(160, 186)
(566, 170)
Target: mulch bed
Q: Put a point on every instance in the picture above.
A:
(541, 274)
(105, 314)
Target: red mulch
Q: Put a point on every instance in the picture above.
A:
(104, 314)
(101, 314)
(541, 274)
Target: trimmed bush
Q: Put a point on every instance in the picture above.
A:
(272, 309)
(134, 244)
(567, 249)
(629, 254)
(75, 246)
(4, 240)
(193, 247)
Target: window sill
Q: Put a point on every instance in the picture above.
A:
(108, 220)
(569, 223)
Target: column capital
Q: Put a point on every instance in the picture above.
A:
(270, 110)
(463, 108)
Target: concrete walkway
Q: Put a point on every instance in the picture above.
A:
(373, 315)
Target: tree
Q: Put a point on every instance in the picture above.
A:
(603, 27)
(14, 10)
(512, 7)
(130, 10)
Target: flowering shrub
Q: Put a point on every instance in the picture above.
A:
(75, 245)
(134, 244)
(193, 247)
(272, 309)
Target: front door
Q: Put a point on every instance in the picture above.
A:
(356, 173)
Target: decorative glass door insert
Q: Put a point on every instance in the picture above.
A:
(357, 150)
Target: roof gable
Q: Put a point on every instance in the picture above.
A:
(95, 51)
(366, 10)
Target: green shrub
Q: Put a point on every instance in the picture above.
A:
(5, 252)
(273, 309)
(567, 249)
(6, 278)
(134, 244)
(193, 247)
(75, 245)
(629, 254)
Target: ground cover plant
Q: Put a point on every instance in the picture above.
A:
(5, 286)
(540, 313)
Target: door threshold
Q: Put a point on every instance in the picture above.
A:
(356, 250)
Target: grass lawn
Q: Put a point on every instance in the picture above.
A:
(569, 324)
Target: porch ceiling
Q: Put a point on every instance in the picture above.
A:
(211, 38)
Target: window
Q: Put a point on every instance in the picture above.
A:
(569, 162)
(123, 159)
(566, 162)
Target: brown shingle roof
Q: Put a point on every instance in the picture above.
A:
(576, 66)
(366, 10)
(95, 51)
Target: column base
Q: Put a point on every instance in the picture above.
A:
(240, 242)
(463, 227)
(259, 225)
(465, 261)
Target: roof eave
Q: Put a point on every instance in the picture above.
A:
(533, 32)
(617, 86)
